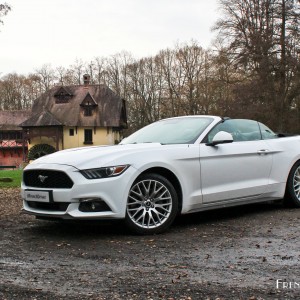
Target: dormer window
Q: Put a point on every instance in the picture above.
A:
(88, 109)
(62, 96)
(88, 105)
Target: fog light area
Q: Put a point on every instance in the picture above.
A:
(93, 205)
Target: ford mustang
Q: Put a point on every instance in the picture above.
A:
(174, 166)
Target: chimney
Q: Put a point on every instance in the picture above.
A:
(86, 79)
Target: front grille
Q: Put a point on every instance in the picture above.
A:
(52, 206)
(47, 179)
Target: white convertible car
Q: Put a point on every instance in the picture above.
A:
(174, 166)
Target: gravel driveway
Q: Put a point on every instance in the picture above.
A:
(250, 252)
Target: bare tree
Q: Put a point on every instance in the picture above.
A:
(64, 76)
(263, 37)
(100, 70)
(4, 9)
(47, 77)
(77, 70)
(15, 92)
(171, 72)
(116, 72)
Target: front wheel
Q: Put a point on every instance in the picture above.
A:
(152, 204)
(292, 196)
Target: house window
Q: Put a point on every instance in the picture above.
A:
(10, 135)
(88, 105)
(88, 109)
(88, 136)
(71, 132)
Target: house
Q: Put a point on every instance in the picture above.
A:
(74, 116)
(13, 148)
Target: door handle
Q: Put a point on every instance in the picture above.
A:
(263, 151)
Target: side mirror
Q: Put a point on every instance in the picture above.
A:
(222, 137)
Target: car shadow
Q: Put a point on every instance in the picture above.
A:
(89, 229)
(225, 214)
(78, 228)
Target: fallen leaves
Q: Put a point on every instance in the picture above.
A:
(10, 202)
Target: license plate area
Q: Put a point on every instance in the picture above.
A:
(39, 196)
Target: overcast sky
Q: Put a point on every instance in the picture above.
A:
(57, 32)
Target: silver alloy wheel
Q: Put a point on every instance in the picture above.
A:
(296, 183)
(149, 204)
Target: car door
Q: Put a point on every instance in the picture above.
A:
(232, 171)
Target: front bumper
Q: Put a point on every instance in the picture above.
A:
(88, 199)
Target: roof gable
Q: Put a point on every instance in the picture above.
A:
(88, 100)
(41, 119)
(62, 95)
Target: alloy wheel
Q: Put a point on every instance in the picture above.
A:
(149, 204)
(296, 183)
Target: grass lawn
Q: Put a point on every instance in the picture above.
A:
(15, 175)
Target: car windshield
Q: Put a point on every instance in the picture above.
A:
(170, 131)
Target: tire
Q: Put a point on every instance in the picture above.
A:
(292, 195)
(152, 204)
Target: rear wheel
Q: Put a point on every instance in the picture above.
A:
(152, 204)
(292, 196)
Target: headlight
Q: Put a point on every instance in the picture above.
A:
(104, 172)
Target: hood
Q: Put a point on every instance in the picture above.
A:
(96, 156)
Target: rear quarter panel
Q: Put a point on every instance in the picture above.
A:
(286, 152)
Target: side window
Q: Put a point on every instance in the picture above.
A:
(241, 130)
(267, 133)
